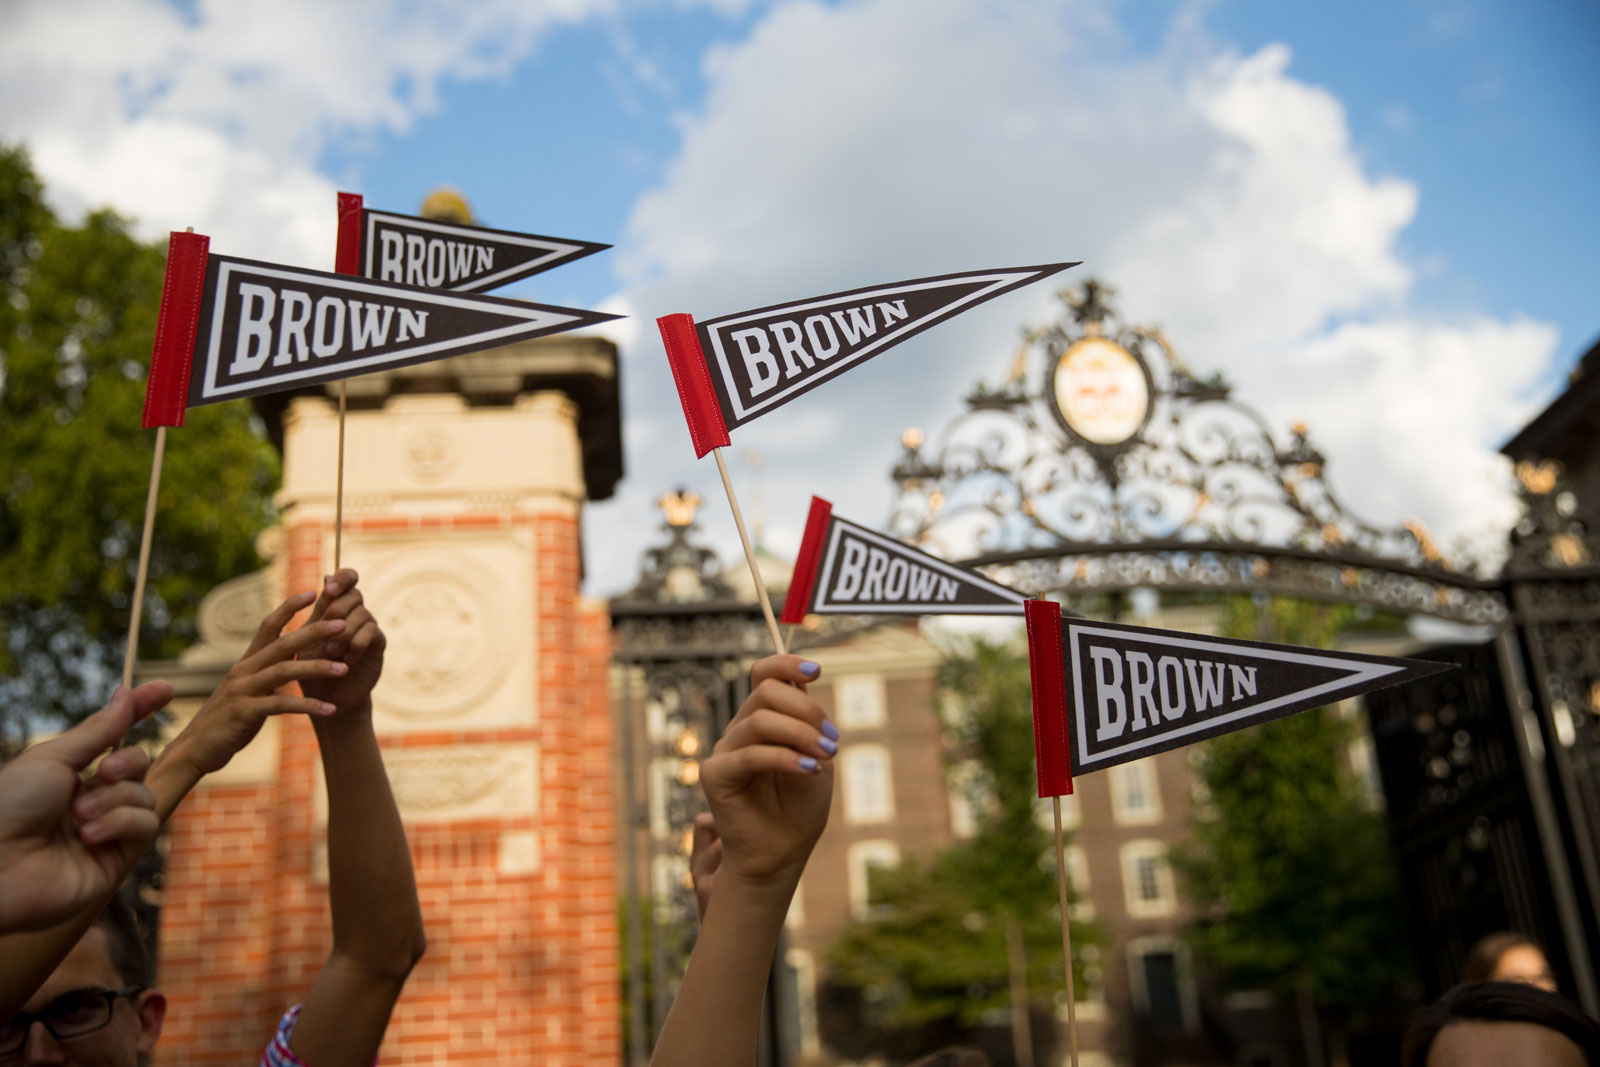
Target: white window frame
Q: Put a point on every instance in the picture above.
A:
(667, 874)
(1129, 857)
(1078, 873)
(860, 702)
(851, 781)
(860, 857)
(660, 779)
(961, 783)
(1120, 778)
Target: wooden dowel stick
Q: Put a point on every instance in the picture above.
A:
(338, 492)
(749, 554)
(130, 656)
(1066, 938)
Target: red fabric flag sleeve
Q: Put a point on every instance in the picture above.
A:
(347, 257)
(798, 599)
(167, 388)
(700, 408)
(1051, 739)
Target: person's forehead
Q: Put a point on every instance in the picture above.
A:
(1475, 1043)
(87, 966)
(1521, 957)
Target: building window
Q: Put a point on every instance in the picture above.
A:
(669, 875)
(1147, 879)
(969, 798)
(803, 1003)
(663, 780)
(864, 774)
(1135, 796)
(863, 858)
(1078, 881)
(1163, 991)
(859, 701)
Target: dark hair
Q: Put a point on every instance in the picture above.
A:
(953, 1057)
(129, 955)
(1484, 957)
(1500, 1002)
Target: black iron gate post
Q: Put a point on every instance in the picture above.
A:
(1532, 754)
(1553, 581)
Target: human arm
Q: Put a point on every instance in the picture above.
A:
(372, 892)
(769, 783)
(251, 692)
(66, 841)
(229, 719)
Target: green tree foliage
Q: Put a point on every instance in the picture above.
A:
(78, 307)
(935, 952)
(1290, 867)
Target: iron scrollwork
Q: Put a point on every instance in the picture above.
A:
(1119, 467)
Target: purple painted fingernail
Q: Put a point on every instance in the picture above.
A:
(830, 731)
(809, 669)
(809, 764)
(328, 709)
(828, 745)
(339, 668)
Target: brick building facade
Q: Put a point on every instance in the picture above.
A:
(465, 484)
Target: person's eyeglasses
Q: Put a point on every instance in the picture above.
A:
(72, 1015)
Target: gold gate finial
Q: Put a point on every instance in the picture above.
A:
(447, 205)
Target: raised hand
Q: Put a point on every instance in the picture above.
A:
(360, 646)
(233, 714)
(769, 780)
(65, 841)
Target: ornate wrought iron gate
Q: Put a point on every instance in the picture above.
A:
(1118, 467)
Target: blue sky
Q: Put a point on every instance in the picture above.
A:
(1492, 109)
(1377, 216)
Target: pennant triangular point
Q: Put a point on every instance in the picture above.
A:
(266, 327)
(1136, 691)
(462, 257)
(760, 359)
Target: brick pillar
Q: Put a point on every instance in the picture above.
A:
(494, 720)
(215, 924)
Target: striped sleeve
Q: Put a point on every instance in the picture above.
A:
(278, 1053)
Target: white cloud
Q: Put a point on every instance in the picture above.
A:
(216, 120)
(884, 139)
(842, 145)
(1408, 411)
